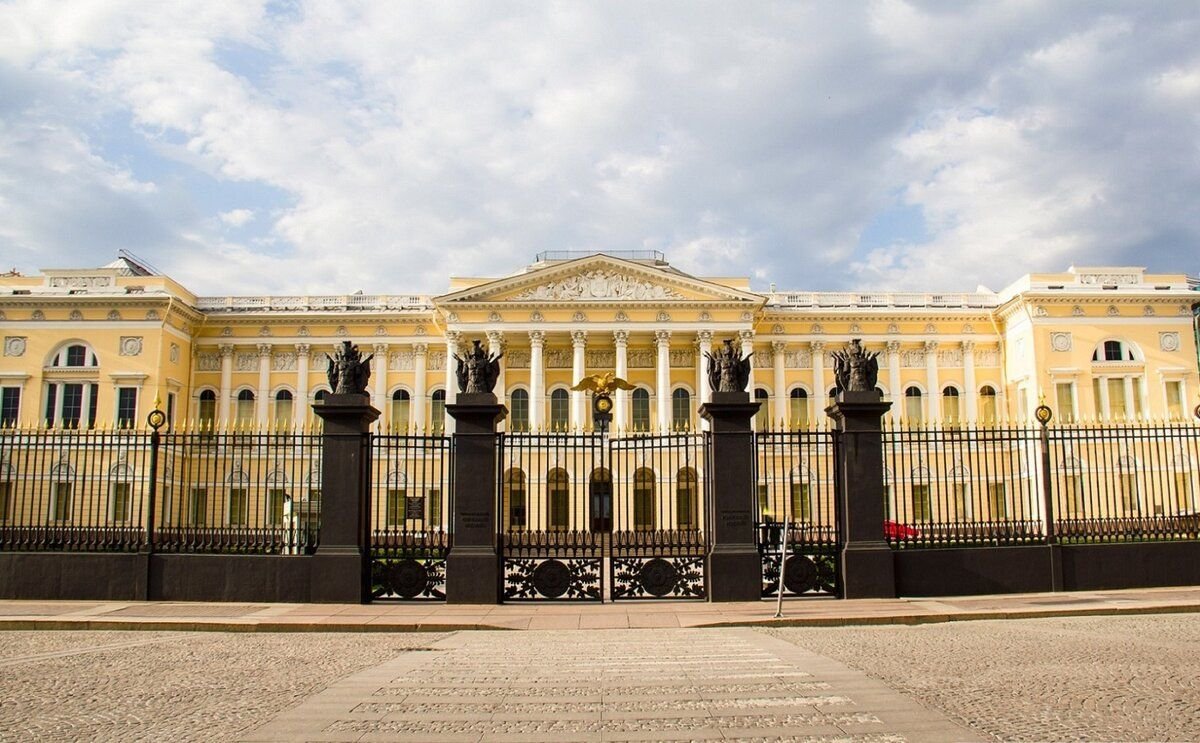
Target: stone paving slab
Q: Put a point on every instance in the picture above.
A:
(619, 685)
(440, 617)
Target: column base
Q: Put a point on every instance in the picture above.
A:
(340, 576)
(473, 575)
(868, 571)
(734, 573)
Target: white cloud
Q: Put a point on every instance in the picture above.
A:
(411, 141)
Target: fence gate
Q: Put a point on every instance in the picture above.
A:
(795, 477)
(586, 516)
(411, 509)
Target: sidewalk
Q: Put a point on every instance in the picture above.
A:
(428, 616)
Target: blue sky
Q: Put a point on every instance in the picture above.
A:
(327, 147)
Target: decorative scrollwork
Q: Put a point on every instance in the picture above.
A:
(658, 577)
(809, 573)
(568, 579)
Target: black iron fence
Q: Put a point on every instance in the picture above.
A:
(130, 490)
(794, 474)
(966, 486)
(411, 515)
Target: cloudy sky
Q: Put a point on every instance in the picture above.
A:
(248, 147)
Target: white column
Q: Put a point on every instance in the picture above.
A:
(747, 337)
(818, 365)
(1129, 404)
(380, 394)
(223, 400)
(495, 342)
(452, 338)
(85, 405)
(578, 369)
(780, 414)
(704, 347)
(262, 399)
(621, 414)
(931, 381)
(893, 359)
(662, 378)
(537, 381)
(972, 393)
(302, 363)
(416, 409)
(1105, 411)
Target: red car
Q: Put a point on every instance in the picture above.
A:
(895, 530)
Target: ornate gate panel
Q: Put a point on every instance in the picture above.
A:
(551, 501)
(660, 534)
(411, 512)
(795, 478)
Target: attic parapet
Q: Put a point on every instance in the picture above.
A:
(316, 303)
(868, 300)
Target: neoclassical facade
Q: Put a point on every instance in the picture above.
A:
(97, 347)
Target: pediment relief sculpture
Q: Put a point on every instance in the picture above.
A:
(599, 284)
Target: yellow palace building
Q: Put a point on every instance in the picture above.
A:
(96, 347)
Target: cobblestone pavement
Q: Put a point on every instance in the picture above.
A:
(616, 685)
(159, 686)
(1128, 678)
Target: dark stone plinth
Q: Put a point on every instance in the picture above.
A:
(734, 567)
(341, 571)
(868, 568)
(473, 563)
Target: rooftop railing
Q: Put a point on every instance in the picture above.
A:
(331, 302)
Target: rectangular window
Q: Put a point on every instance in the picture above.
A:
(686, 505)
(394, 514)
(5, 500)
(437, 415)
(95, 395)
(1064, 395)
(10, 406)
(1129, 492)
(560, 407)
(72, 405)
(922, 507)
(51, 403)
(1184, 502)
(997, 501)
(519, 419)
(170, 410)
(276, 500)
(1175, 400)
(126, 407)
(118, 501)
(1073, 494)
(1097, 400)
(516, 508)
(197, 506)
(560, 509)
(961, 502)
(764, 502)
(801, 502)
(434, 497)
(1117, 405)
(60, 502)
(239, 507)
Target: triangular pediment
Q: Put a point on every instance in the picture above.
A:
(600, 279)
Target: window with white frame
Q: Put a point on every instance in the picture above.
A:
(519, 416)
(798, 408)
(988, 409)
(1064, 400)
(285, 405)
(681, 410)
(914, 406)
(1173, 389)
(437, 412)
(10, 406)
(206, 409)
(560, 410)
(127, 407)
(71, 402)
(244, 413)
(641, 409)
(401, 405)
(951, 410)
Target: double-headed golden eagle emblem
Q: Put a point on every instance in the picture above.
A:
(602, 384)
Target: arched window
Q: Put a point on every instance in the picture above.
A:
(514, 498)
(681, 410)
(284, 407)
(206, 411)
(641, 409)
(914, 406)
(519, 416)
(1114, 351)
(762, 419)
(437, 413)
(321, 395)
(71, 402)
(244, 415)
(798, 408)
(950, 408)
(558, 492)
(401, 404)
(687, 499)
(560, 410)
(643, 499)
(987, 405)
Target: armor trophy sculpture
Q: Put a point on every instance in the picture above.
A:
(856, 370)
(478, 371)
(728, 369)
(348, 371)
(602, 386)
